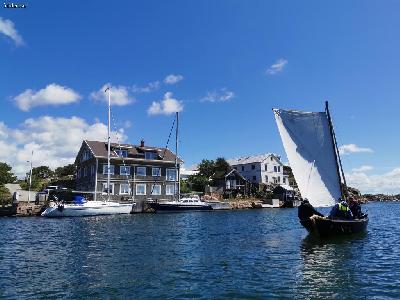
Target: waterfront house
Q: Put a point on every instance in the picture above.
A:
(264, 168)
(139, 171)
(230, 183)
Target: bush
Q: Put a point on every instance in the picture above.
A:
(5, 196)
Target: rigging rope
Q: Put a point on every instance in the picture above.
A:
(123, 160)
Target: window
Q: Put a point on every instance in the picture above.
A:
(104, 190)
(156, 189)
(125, 170)
(92, 169)
(171, 174)
(266, 178)
(124, 189)
(78, 173)
(253, 167)
(169, 189)
(150, 155)
(275, 169)
(156, 172)
(85, 155)
(242, 168)
(141, 171)
(279, 179)
(84, 171)
(254, 178)
(272, 159)
(266, 167)
(141, 189)
(111, 169)
(284, 180)
(279, 168)
(121, 153)
(275, 179)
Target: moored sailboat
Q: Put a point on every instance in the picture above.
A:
(82, 208)
(189, 203)
(310, 144)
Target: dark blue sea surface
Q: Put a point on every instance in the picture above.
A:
(248, 254)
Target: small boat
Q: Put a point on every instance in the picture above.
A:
(83, 208)
(191, 203)
(310, 145)
(327, 227)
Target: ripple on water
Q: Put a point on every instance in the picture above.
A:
(254, 254)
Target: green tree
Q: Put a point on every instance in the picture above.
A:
(288, 171)
(6, 176)
(42, 172)
(65, 170)
(37, 184)
(206, 168)
(185, 189)
(221, 165)
(198, 182)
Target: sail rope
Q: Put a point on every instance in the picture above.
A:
(163, 155)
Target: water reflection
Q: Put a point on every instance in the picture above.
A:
(329, 265)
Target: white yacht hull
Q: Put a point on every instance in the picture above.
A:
(90, 208)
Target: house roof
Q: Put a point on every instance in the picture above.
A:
(223, 174)
(99, 149)
(252, 159)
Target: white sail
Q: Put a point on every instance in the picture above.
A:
(309, 147)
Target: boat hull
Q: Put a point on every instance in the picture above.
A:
(328, 227)
(165, 207)
(87, 209)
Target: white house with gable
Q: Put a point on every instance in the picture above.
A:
(264, 168)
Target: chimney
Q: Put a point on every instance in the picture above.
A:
(142, 143)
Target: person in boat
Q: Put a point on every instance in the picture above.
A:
(355, 208)
(341, 211)
(306, 210)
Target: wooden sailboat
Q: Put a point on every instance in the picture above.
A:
(310, 144)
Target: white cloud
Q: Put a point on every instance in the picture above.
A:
(55, 141)
(7, 28)
(277, 66)
(166, 106)
(53, 94)
(150, 87)
(172, 79)
(353, 148)
(119, 95)
(387, 183)
(223, 95)
(364, 168)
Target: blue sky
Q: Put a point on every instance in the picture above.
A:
(231, 61)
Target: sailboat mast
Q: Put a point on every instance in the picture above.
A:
(108, 144)
(176, 189)
(336, 152)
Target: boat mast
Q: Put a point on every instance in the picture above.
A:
(176, 189)
(108, 143)
(337, 156)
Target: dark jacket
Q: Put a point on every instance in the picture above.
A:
(306, 210)
(356, 210)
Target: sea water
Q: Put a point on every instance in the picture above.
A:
(251, 254)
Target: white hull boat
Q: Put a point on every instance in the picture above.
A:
(89, 208)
